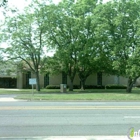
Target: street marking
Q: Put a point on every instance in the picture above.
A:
(80, 103)
(132, 117)
(70, 108)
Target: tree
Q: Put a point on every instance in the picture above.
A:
(86, 42)
(63, 32)
(26, 36)
(3, 3)
(8, 68)
(126, 51)
(72, 33)
(94, 48)
(123, 39)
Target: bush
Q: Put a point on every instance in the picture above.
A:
(53, 87)
(90, 87)
(94, 87)
(76, 86)
(138, 86)
(115, 87)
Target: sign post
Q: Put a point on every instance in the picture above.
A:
(32, 81)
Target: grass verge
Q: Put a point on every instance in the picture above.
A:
(91, 96)
(95, 95)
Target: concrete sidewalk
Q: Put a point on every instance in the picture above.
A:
(8, 98)
(71, 138)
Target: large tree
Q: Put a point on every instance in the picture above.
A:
(72, 33)
(26, 36)
(122, 20)
(63, 34)
(127, 44)
(86, 43)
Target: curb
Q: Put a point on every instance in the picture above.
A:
(68, 138)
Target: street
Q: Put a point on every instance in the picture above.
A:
(32, 119)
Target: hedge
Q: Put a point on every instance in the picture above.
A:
(89, 87)
(53, 87)
(115, 87)
(76, 87)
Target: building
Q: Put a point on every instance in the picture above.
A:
(11, 78)
(94, 79)
(8, 76)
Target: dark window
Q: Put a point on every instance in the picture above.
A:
(46, 80)
(64, 78)
(99, 78)
(28, 76)
(8, 82)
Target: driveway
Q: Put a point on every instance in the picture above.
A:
(8, 98)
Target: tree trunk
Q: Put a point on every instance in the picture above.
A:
(37, 81)
(83, 84)
(130, 84)
(71, 85)
(129, 88)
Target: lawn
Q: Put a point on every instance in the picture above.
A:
(95, 94)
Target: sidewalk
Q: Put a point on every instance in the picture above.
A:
(71, 138)
(8, 98)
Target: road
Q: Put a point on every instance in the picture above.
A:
(27, 119)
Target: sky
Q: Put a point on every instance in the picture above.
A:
(20, 4)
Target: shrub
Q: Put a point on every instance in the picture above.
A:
(94, 87)
(138, 86)
(76, 86)
(115, 87)
(53, 87)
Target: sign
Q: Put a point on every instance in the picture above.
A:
(32, 81)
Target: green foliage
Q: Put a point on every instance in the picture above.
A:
(132, 133)
(53, 87)
(115, 87)
(3, 3)
(78, 87)
(72, 32)
(58, 87)
(119, 26)
(89, 37)
(26, 37)
(8, 68)
(94, 87)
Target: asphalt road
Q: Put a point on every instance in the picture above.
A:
(28, 119)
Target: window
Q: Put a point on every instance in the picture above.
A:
(28, 76)
(64, 78)
(99, 78)
(46, 80)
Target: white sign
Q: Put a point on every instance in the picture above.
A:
(32, 81)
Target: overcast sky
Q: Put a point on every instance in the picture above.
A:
(23, 3)
(20, 4)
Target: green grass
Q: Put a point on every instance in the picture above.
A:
(95, 94)
(91, 96)
(26, 91)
